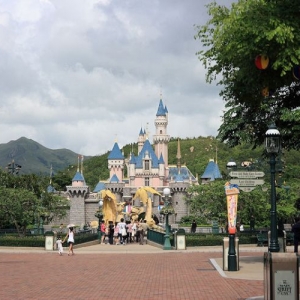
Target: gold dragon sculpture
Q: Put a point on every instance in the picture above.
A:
(109, 208)
(142, 194)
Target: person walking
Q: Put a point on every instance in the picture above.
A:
(296, 231)
(60, 247)
(122, 231)
(111, 230)
(252, 223)
(71, 240)
(129, 232)
(143, 231)
(103, 231)
(116, 234)
(193, 226)
(133, 228)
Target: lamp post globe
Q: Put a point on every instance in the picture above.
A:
(167, 192)
(231, 165)
(100, 203)
(272, 144)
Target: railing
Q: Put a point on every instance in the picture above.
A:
(156, 236)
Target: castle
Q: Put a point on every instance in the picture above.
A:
(148, 167)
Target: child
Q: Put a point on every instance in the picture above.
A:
(59, 246)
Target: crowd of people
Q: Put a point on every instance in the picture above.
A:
(120, 233)
(124, 232)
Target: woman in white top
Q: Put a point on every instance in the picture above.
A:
(70, 237)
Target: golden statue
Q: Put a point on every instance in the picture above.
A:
(109, 205)
(142, 194)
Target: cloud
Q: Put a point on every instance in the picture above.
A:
(79, 74)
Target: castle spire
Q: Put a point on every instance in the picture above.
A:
(82, 164)
(178, 156)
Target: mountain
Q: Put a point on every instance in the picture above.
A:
(35, 158)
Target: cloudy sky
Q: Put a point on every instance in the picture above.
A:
(81, 74)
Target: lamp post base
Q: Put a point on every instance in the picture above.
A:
(167, 243)
(273, 247)
(232, 265)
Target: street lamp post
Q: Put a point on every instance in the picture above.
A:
(99, 215)
(272, 144)
(232, 259)
(166, 211)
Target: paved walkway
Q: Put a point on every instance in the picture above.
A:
(129, 272)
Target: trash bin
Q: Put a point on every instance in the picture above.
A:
(50, 239)
(281, 240)
(215, 227)
(281, 276)
(179, 239)
(226, 250)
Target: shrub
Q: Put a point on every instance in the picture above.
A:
(39, 240)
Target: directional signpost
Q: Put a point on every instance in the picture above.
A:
(247, 181)
(246, 174)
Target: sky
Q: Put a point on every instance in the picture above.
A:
(81, 75)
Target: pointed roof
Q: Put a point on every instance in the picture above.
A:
(212, 171)
(178, 178)
(181, 174)
(161, 159)
(115, 152)
(50, 189)
(132, 159)
(147, 149)
(114, 179)
(141, 131)
(78, 177)
(99, 187)
(161, 111)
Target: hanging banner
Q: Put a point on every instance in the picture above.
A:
(231, 191)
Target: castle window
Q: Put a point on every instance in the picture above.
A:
(147, 181)
(160, 131)
(147, 165)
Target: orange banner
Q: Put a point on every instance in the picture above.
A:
(232, 202)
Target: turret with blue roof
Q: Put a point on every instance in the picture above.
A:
(99, 187)
(161, 111)
(211, 172)
(115, 152)
(147, 150)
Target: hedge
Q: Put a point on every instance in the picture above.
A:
(196, 239)
(39, 240)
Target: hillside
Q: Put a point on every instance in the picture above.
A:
(196, 153)
(35, 158)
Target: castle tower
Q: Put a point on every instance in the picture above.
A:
(141, 140)
(116, 162)
(78, 192)
(161, 138)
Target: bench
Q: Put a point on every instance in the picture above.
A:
(262, 238)
(289, 238)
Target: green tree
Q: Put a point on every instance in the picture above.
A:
(62, 179)
(18, 207)
(208, 201)
(17, 190)
(232, 39)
